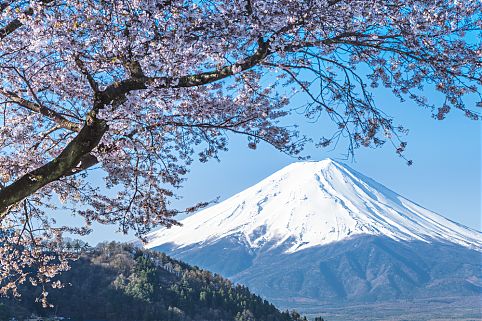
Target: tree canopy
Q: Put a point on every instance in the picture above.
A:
(121, 283)
(135, 90)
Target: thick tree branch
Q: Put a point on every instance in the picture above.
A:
(9, 28)
(138, 83)
(4, 5)
(47, 112)
(83, 69)
(15, 24)
(87, 139)
(142, 82)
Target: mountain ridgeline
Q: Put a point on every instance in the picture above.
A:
(320, 234)
(121, 282)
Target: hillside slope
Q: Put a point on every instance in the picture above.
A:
(119, 282)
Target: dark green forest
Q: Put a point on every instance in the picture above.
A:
(115, 281)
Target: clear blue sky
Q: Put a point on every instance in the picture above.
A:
(445, 176)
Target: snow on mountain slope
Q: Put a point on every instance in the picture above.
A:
(315, 203)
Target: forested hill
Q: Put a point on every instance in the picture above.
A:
(120, 282)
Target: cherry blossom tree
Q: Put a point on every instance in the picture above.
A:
(135, 90)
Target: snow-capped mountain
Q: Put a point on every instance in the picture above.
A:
(321, 233)
(312, 204)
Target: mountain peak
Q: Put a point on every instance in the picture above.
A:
(314, 203)
(310, 168)
(315, 165)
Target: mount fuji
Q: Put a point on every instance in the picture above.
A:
(322, 233)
